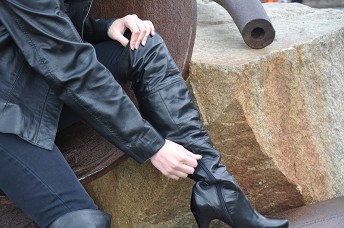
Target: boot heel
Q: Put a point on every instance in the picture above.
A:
(202, 209)
(202, 220)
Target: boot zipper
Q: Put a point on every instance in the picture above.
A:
(218, 189)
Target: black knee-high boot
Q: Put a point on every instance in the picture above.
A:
(86, 218)
(164, 101)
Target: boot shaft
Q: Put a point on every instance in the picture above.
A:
(82, 219)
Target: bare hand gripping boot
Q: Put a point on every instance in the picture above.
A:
(164, 101)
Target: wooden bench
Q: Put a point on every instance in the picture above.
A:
(326, 214)
(87, 152)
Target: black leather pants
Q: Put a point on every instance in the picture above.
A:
(164, 101)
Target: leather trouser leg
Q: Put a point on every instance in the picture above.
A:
(83, 219)
(164, 101)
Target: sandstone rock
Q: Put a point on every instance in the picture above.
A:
(324, 3)
(139, 196)
(276, 114)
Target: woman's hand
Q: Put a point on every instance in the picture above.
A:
(140, 30)
(174, 161)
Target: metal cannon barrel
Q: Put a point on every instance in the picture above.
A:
(252, 21)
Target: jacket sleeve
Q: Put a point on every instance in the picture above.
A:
(96, 30)
(51, 45)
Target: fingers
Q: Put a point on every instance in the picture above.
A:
(174, 161)
(122, 39)
(173, 177)
(117, 30)
(191, 157)
(150, 31)
(175, 170)
(140, 30)
(176, 174)
(196, 156)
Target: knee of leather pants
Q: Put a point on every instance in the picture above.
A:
(149, 67)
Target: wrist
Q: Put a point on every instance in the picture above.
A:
(109, 25)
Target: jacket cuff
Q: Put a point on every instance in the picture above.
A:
(147, 146)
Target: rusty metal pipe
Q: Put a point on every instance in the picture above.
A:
(252, 21)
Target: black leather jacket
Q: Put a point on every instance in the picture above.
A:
(44, 63)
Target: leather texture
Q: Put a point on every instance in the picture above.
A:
(164, 100)
(83, 219)
(45, 64)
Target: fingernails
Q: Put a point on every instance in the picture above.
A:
(134, 47)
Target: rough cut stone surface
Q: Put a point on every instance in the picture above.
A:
(139, 196)
(324, 3)
(277, 115)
